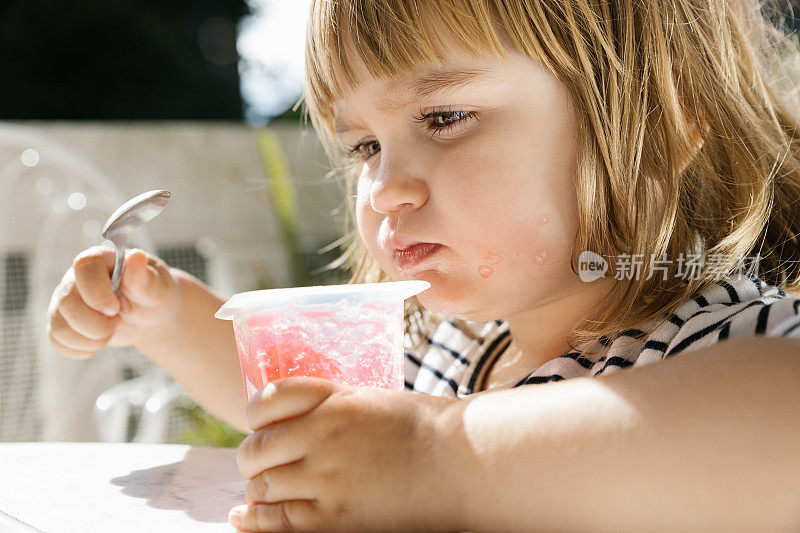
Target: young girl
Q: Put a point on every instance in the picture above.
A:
(588, 186)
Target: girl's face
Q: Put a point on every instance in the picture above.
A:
(479, 157)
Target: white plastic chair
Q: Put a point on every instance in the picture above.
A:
(147, 400)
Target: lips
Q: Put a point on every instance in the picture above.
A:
(414, 254)
(399, 243)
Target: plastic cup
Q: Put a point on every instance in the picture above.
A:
(351, 334)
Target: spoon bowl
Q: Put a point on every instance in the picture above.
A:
(127, 218)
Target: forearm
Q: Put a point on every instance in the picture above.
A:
(704, 441)
(199, 352)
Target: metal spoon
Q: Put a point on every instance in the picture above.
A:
(127, 218)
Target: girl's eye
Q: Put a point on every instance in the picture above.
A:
(435, 123)
(365, 150)
(443, 120)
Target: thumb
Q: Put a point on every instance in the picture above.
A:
(145, 279)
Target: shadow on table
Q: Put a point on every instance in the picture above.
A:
(205, 485)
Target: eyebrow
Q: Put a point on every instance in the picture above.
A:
(421, 87)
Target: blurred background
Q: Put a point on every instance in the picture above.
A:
(103, 100)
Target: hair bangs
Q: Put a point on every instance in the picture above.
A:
(390, 38)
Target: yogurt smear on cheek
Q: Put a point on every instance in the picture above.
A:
(491, 258)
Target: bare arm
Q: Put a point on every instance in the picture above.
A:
(164, 312)
(199, 352)
(708, 440)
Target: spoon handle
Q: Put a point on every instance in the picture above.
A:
(119, 264)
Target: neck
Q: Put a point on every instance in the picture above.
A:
(542, 332)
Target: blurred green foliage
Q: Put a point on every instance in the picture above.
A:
(207, 430)
(284, 202)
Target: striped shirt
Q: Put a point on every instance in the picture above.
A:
(455, 359)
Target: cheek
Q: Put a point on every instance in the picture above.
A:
(491, 257)
(368, 221)
(485, 271)
(363, 210)
(539, 245)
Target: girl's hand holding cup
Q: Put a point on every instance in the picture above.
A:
(329, 457)
(85, 315)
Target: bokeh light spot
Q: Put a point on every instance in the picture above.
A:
(76, 201)
(29, 157)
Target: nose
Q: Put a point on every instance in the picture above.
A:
(395, 187)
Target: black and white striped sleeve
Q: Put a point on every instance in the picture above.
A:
(786, 319)
(754, 318)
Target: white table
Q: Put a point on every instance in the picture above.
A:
(87, 487)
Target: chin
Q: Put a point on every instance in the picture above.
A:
(439, 300)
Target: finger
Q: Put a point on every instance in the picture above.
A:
(271, 446)
(70, 338)
(293, 515)
(83, 318)
(137, 315)
(93, 280)
(67, 351)
(286, 398)
(146, 280)
(285, 482)
(65, 286)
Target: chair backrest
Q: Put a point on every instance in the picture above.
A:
(53, 204)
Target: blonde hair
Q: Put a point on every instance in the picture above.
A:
(648, 79)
